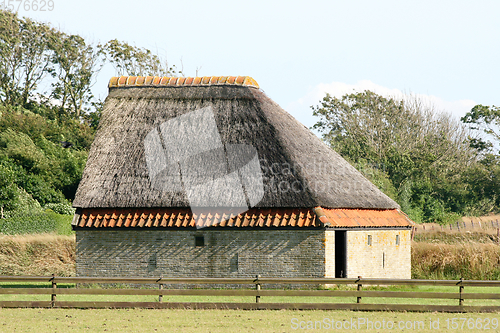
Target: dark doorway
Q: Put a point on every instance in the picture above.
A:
(340, 254)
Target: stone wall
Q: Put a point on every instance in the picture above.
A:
(240, 253)
(226, 253)
(383, 258)
(329, 253)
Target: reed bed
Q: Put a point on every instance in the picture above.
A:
(465, 259)
(40, 254)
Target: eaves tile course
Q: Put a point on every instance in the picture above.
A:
(254, 217)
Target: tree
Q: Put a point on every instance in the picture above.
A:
(422, 152)
(25, 56)
(485, 119)
(10, 56)
(7, 188)
(401, 134)
(134, 61)
(77, 64)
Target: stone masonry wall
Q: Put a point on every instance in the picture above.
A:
(226, 253)
(329, 253)
(382, 259)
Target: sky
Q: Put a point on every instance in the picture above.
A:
(446, 52)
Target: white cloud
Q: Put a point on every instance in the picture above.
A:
(301, 108)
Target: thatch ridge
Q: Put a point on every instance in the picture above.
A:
(134, 81)
(298, 169)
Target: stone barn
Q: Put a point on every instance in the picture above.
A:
(208, 177)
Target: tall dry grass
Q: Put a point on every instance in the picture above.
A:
(41, 254)
(454, 236)
(469, 260)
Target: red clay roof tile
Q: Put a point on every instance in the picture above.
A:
(366, 218)
(255, 217)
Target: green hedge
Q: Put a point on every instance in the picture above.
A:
(36, 222)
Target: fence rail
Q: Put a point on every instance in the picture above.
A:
(490, 226)
(257, 292)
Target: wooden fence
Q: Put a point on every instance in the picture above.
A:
(9, 285)
(489, 226)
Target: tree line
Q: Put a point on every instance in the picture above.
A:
(33, 53)
(436, 167)
(46, 104)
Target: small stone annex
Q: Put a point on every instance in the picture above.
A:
(208, 177)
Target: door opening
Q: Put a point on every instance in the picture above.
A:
(340, 254)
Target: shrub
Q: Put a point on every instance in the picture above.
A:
(61, 208)
(36, 222)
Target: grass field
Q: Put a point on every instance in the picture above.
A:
(140, 320)
(167, 320)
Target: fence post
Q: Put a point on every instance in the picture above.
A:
(498, 236)
(54, 287)
(461, 289)
(458, 226)
(358, 300)
(257, 287)
(160, 286)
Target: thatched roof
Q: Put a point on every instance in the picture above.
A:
(298, 169)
